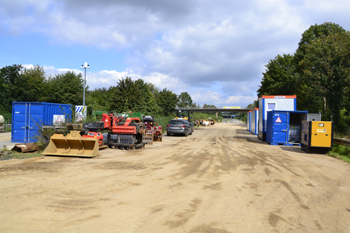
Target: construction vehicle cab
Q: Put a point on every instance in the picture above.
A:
(97, 135)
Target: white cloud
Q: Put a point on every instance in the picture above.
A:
(28, 66)
(215, 50)
(106, 78)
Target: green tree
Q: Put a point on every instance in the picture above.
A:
(127, 96)
(185, 100)
(311, 34)
(99, 98)
(36, 84)
(150, 105)
(167, 101)
(18, 84)
(280, 77)
(13, 86)
(308, 93)
(326, 65)
(66, 88)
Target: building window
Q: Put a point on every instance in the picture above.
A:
(271, 106)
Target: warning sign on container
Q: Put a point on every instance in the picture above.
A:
(58, 119)
(80, 113)
(278, 120)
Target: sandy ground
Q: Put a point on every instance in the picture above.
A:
(221, 179)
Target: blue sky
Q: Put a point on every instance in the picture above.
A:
(214, 50)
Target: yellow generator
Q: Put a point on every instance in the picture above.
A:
(317, 136)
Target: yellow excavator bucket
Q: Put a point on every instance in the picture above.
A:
(72, 145)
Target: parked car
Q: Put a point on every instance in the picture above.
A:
(179, 126)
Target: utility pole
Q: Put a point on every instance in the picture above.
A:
(86, 65)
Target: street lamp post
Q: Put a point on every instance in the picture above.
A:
(84, 67)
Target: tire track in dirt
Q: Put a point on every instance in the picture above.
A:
(221, 179)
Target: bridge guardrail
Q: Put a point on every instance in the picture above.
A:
(216, 107)
(341, 141)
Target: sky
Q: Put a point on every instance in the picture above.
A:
(214, 50)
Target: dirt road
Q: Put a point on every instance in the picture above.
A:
(221, 179)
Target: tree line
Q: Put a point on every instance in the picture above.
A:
(318, 73)
(32, 85)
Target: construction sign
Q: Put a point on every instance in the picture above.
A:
(278, 120)
(58, 120)
(80, 113)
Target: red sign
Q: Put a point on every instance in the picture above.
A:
(278, 120)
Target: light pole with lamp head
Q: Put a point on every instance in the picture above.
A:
(86, 65)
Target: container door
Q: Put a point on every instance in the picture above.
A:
(19, 123)
(35, 119)
(280, 128)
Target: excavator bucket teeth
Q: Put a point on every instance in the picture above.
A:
(72, 145)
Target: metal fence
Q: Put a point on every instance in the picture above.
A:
(5, 127)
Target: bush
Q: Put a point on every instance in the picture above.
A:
(340, 152)
(163, 121)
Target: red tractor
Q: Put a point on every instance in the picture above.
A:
(122, 133)
(153, 129)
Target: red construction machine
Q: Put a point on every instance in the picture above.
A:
(123, 133)
(85, 140)
(154, 132)
(97, 135)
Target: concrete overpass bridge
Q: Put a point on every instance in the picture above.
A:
(216, 109)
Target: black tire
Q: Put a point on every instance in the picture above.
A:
(167, 134)
(186, 134)
(191, 132)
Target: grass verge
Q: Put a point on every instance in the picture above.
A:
(340, 152)
(18, 155)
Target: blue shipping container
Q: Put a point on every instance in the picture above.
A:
(282, 125)
(27, 117)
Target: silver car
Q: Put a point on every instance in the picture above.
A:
(179, 126)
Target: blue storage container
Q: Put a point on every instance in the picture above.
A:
(283, 127)
(254, 121)
(274, 102)
(27, 117)
(249, 120)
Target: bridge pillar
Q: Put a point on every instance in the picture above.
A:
(217, 114)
